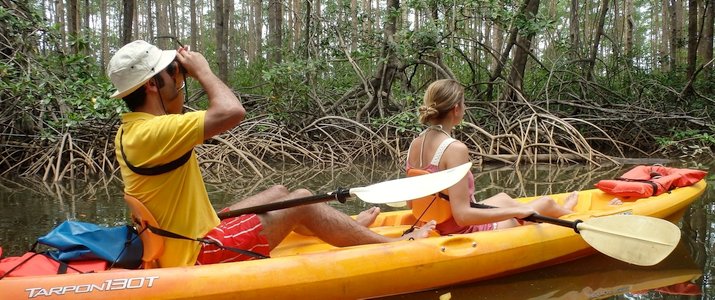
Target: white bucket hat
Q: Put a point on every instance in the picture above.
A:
(136, 63)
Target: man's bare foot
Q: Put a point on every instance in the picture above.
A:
(571, 201)
(368, 216)
(422, 232)
(615, 201)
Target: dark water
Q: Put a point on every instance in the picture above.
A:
(30, 208)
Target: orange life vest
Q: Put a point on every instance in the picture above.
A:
(646, 181)
(435, 206)
(431, 207)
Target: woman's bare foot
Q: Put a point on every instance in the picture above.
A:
(571, 201)
(420, 233)
(615, 201)
(368, 216)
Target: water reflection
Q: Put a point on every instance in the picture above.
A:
(30, 208)
(593, 277)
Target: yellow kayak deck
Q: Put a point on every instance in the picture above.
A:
(305, 267)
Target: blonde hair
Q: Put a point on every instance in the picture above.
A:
(440, 97)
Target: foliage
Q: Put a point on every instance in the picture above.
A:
(46, 93)
(50, 88)
(689, 143)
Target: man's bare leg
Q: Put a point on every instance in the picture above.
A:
(321, 220)
(272, 194)
(280, 193)
(328, 224)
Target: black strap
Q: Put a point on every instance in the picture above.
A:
(61, 269)
(438, 194)
(169, 234)
(652, 183)
(412, 228)
(18, 265)
(156, 170)
(127, 242)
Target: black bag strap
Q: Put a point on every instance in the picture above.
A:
(61, 269)
(156, 170)
(169, 234)
(18, 265)
(646, 181)
(127, 242)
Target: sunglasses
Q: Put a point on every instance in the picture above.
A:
(172, 67)
(169, 37)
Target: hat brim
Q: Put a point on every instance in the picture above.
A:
(167, 56)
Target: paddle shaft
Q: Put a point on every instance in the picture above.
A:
(339, 195)
(538, 218)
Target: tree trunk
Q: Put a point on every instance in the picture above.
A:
(60, 20)
(171, 12)
(434, 16)
(135, 17)
(655, 38)
(367, 23)
(162, 24)
(221, 56)
(297, 24)
(73, 22)
(257, 29)
(665, 39)
(597, 39)
(307, 34)
(87, 31)
(674, 34)
(150, 20)
(353, 25)
(707, 41)
(318, 32)
(500, 63)
(574, 30)
(104, 39)
(628, 19)
(194, 26)
(275, 30)
(692, 37)
(381, 82)
(229, 23)
(128, 17)
(521, 53)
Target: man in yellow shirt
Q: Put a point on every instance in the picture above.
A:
(154, 146)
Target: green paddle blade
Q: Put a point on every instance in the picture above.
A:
(639, 240)
(409, 188)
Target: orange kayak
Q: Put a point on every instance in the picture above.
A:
(305, 267)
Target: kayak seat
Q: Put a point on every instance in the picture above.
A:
(153, 243)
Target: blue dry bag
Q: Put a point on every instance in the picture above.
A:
(120, 246)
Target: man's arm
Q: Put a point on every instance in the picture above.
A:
(225, 110)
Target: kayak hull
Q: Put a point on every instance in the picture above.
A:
(305, 267)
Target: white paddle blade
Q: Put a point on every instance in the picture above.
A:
(639, 240)
(409, 188)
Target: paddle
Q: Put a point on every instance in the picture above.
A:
(397, 190)
(639, 240)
